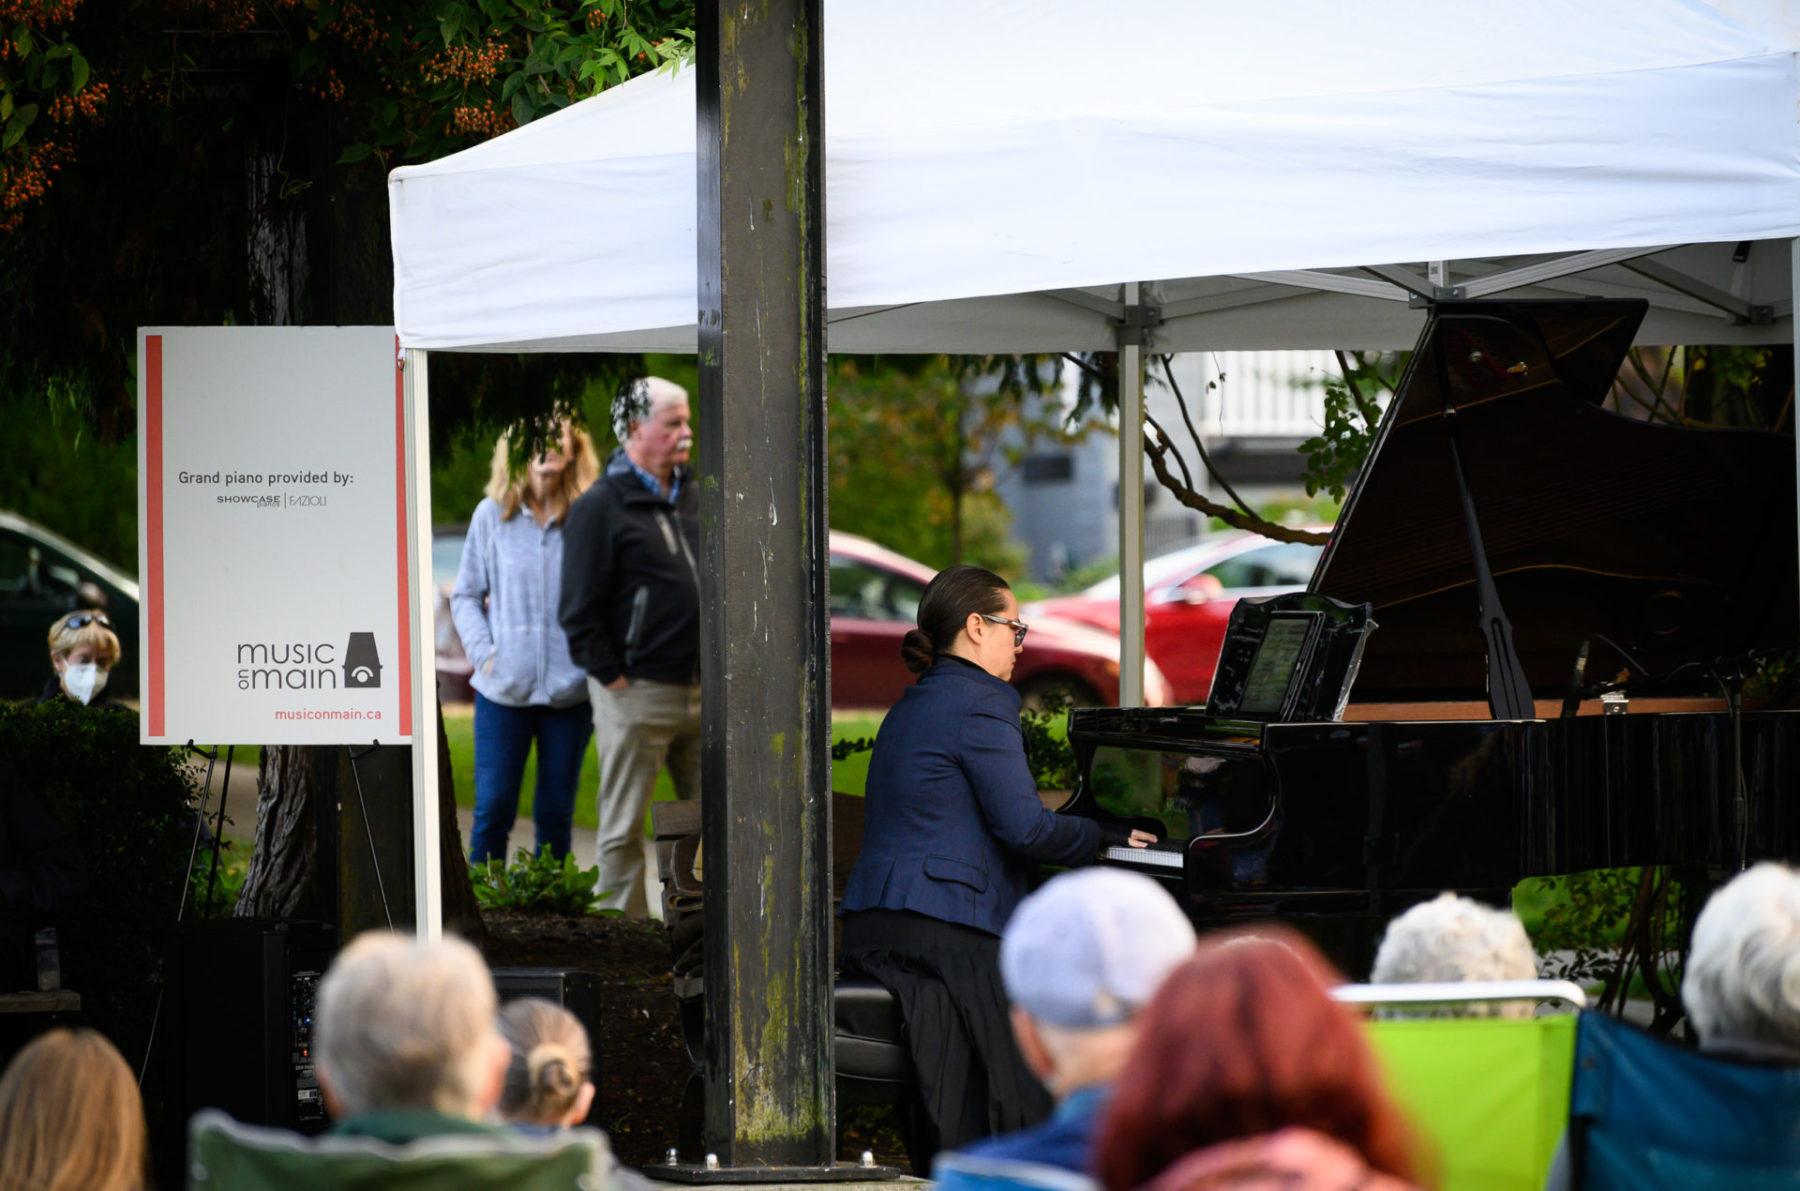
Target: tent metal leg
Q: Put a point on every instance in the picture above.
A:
(427, 875)
(1131, 511)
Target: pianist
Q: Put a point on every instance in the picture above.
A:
(953, 835)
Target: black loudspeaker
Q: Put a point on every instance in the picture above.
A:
(237, 1018)
(578, 992)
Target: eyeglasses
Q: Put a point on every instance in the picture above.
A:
(87, 618)
(1019, 627)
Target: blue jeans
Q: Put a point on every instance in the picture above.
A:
(503, 737)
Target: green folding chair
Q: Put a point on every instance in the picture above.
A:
(1489, 1094)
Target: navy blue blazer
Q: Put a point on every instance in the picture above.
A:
(953, 827)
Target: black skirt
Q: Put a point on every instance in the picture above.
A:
(972, 1079)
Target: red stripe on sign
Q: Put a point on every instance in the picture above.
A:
(404, 562)
(153, 515)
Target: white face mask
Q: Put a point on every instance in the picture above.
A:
(85, 681)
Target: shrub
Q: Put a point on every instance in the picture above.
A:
(539, 884)
(126, 804)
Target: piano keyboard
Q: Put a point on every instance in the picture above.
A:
(1160, 857)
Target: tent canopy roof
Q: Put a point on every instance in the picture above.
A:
(1253, 160)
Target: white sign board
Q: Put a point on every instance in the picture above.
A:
(272, 536)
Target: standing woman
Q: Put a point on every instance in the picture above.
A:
(953, 834)
(526, 686)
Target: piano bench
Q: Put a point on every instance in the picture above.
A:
(866, 1038)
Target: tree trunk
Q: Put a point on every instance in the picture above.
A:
(462, 913)
(284, 865)
(283, 876)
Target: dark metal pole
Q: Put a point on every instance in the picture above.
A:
(764, 634)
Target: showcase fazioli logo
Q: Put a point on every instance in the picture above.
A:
(299, 666)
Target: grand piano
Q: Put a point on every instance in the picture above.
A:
(1522, 653)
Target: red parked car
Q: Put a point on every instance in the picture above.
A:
(1188, 597)
(875, 600)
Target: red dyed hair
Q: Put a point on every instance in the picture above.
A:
(1244, 1039)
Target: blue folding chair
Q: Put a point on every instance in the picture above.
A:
(1646, 1114)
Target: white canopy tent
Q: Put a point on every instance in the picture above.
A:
(1046, 175)
(996, 170)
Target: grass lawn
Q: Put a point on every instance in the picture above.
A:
(459, 725)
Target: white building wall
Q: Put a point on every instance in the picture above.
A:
(1257, 402)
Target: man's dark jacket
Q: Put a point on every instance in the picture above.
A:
(631, 579)
(40, 873)
(952, 824)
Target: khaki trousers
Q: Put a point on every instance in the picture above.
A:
(637, 731)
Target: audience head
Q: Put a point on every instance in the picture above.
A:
(71, 1118)
(1080, 958)
(1742, 987)
(548, 1081)
(651, 419)
(1452, 939)
(406, 1024)
(1244, 1040)
(568, 463)
(953, 618)
(82, 649)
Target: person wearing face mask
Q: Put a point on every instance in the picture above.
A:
(83, 650)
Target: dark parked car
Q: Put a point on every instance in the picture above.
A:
(42, 576)
(453, 667)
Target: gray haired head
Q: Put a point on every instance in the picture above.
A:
(1742, 987)
(407, 1024)
(637, 400)
(1453, 939)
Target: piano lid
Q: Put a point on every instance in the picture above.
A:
(1677, 543)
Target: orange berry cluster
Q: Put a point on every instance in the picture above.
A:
(595, 18)
(481, 118)
(66, 109)
(25, 175)
(331, 88)
(467, 65)
(38, 13)
(354, 24)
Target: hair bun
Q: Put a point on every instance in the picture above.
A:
(917, 650)
(554, 1074)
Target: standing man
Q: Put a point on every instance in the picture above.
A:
(631, 608)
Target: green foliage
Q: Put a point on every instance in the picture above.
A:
(1619, 929)
(65, 478)
(1047, 748)
(915, 441)
(539, 884)
(126, 805)
(216, 898)
(1081, 578)
(1336, 453)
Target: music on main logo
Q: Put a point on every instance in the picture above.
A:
(362, 664)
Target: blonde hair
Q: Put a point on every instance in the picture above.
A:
(71, 1118)
(506, 484)
(550, 1061)
(404, 1023)
(94, 633)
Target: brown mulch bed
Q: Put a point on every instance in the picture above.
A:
(641, 1062)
